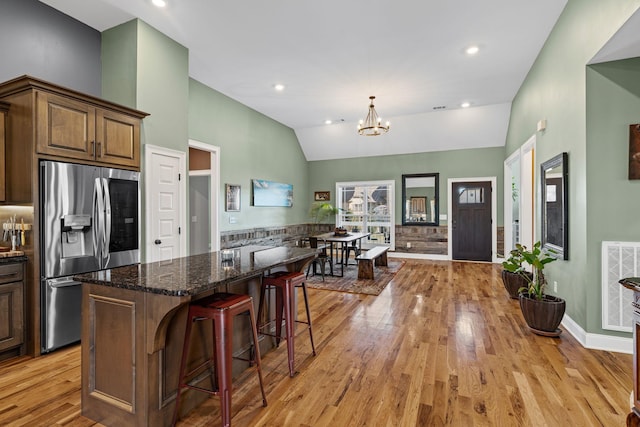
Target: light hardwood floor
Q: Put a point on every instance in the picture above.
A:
(442, 345)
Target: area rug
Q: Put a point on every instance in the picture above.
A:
(351, 283)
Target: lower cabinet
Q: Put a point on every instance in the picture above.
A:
(11, 310)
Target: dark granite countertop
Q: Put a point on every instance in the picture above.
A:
(195, 274)
(632, 283)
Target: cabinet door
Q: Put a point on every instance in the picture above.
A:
(117, 138)
(65, 127)
(11, 315)
(3, 175)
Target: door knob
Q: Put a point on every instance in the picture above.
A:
(157, 241)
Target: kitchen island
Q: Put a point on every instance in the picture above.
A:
(133, 324)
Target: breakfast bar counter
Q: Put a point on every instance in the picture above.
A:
(133, 323)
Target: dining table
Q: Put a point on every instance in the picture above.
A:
(343, 240)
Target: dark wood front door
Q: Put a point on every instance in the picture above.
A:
(471, 221)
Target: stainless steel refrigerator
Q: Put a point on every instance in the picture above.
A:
(89, 221)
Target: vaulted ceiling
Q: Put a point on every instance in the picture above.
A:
(332, 55)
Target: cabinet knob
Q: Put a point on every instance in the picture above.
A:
(157, 241)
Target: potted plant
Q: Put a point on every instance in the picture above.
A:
(320, 211)
(543, 313)
(514, 276)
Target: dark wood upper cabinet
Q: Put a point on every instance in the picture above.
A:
(47, 121)
(80, 130)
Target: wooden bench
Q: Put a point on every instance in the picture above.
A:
(377, 254)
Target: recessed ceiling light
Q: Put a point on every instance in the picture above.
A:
(465, 105)
(279, 87)
(327, 122)
(159, 3)
(472, 50)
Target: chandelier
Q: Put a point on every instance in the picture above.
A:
(372, 124)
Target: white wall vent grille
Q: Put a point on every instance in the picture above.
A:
(619, 260)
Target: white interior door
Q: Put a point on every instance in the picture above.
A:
(165, 201)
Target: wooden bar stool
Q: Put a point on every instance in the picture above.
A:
(221, 308)
(285, 284)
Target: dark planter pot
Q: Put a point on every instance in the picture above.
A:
(543, 317)
(514, 281)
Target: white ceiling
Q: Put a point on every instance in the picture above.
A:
(332, 55)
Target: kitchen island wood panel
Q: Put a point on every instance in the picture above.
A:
(133, 328)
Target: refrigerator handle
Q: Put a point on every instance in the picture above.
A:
(107, 218)
(97, 218)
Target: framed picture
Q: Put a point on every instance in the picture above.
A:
(232, 197)
(322, 196)
(634, 151)
(270, 193)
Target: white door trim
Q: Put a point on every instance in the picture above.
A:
(524, 205)
(214, 196)
(508, 200)
(494, 208)
(528, 204)
(149, 151)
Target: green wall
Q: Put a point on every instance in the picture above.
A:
(613, 200)
(471, 163)
(146, 70)
(251, 146)
(556, 90)
(120, 64)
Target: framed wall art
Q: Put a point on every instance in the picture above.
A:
(232, 197)
(270, 193)
(634, 151)
(322, 196)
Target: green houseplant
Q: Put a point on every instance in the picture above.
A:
(321, 211)
(543, 313)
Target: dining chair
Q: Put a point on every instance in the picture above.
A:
(322, 259)
(346, 251)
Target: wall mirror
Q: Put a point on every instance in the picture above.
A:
(420, 199)
(555, 192)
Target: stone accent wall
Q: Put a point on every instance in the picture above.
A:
(422, 239)
(288, 235)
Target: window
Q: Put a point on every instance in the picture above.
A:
(369, 207)
(471, 196)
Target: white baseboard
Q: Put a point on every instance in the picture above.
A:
(597, 341)
(432, 257)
